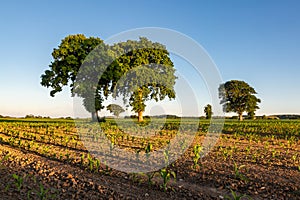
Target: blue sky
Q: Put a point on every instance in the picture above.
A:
(251, 40)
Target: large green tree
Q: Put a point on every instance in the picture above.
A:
(145, 72)
(94, 70)
(208, 111)
(238, 96)
(68, 58)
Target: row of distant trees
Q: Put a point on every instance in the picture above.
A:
(37, 117)
(237, 96)
(31, 116)
(79, 61)
(113, 108)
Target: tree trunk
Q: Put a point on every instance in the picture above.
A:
(241, 116)
(140, 113)
(94, 116)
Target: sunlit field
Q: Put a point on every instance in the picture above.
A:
(49, 159)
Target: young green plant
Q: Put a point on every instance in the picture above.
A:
(166, 175)
(197, 155)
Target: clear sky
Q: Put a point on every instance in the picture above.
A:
(257, 41)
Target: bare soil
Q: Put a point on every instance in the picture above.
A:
(263, 176)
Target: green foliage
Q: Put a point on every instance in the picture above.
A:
(235, 196)
(18, 181)
(82, 159)
(166, 175)
(265, 134)
(93, 103)
(238, 96)
(150, 176)
(146, 65)
(238, 174)
(251, 114)
(115, 109)
(107, 170)
(42, 193)
(90, 162)
(148, 150)
(145, 72)
(6, 157)
(166, 156)
(197, 155)
(67, 60)
(208, 111)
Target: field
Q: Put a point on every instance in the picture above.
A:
(47, 159)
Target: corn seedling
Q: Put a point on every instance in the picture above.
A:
(90, 162)
(248, 149)
(97, 165)
(150, 176)
(197, 154)
(166, 175)
(6, 157)
(166, 157)
(183, 145)
(82, 159)
(235, 196)
(18, 182)
(238, 174)
(294, 157)
(107, 170)
(67, 155)
(42, 193)
(134, 177)
(148, 149)
(225, 153)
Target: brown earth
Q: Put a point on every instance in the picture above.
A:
(266, 177)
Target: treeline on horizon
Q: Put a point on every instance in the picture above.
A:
(285, 116)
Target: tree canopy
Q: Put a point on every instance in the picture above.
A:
(115, 109)
(137, 70)
(145, 72)
(208, 111)
(238, 96)
(67, 60)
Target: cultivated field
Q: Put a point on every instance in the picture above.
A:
(46, 159)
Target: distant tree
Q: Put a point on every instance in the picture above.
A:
(237, 96)
(208, 111)
(115, 109)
